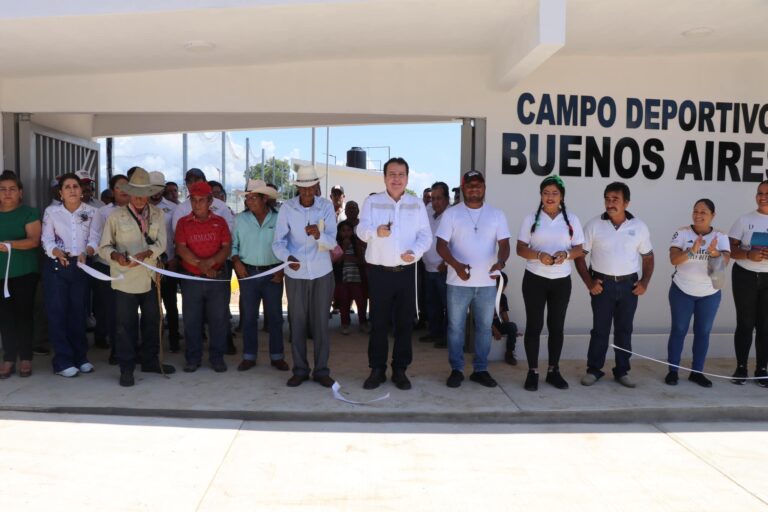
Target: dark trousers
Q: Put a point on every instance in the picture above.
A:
(127, 307)
(66, 291)
(508, 329)
(540, 293)
(435, 291)
(344, 294)
(616, 305)
(210, 301)
(16, 317)
(392, 297)
(103, 306)
(309, 301)
(252, 292)
(750, 294)
(168, 288)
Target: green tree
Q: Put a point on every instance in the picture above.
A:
(274, 171)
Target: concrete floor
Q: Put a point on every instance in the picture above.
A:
(109, 463)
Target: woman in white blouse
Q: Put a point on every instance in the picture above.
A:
(66, 241)
(692, 293)
(548, 238)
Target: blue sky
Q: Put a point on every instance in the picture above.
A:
(432, 150)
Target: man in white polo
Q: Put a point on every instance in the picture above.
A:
(473, 240)
(395, 227)
(619, 248)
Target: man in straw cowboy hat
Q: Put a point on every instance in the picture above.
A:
(252, 254)
(306, 230)
(136, 232)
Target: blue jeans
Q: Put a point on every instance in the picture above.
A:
(615, 305)
(253, 292)
(703, 310)
(66, 290)
(435, 293)
(207, 301)
(481, 299)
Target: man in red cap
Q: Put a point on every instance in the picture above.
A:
(203, 242)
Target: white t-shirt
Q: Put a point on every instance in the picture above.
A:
(691, 275)
(743, 229)
(616, 252)
(551, 236)
(476, 248)
(431, 259)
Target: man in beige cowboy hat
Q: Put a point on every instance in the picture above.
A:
(305, 231)
(135, 232)
(252, 254)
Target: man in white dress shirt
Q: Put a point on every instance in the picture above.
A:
(395, 227)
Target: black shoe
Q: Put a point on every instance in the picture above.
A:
(740, 375)
(700, 379)
(763, 381)
(41, 351)
(531, 381)
(454, 379)
(324, 380)
(671, 378)
(126, 378)
(158, 368)
(219, 366)
(553, 377)
(191, 367)
(377, 376)
(296, 380)
(400, 379)
(484, 379)
(509, 358)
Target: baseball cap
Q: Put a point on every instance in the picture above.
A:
(472, 175)
(201, 188)
(337, 188)
(83, 175)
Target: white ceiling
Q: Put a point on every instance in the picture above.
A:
(251, 32)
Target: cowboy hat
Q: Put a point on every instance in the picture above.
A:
(259, 187)
(157, 178)
(306, 176)
(140, 185)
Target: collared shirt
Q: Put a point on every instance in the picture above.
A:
(408, 224)
(122, 234)
(70, 232)
(473, 235)
(218, 207)
(431, 259)
(291, 238)
(97, 226)
(252, 242)
(551, 236)
(203, 237)
(168, 209)
(617, 252)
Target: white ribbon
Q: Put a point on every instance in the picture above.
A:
(729, 377)
(499, 290)
(338, 396)
(96, 274)
(6, 293)
(197, 278)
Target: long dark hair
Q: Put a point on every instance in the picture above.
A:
(556, 181)
(354, 236)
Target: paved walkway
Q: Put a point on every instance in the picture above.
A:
(74, 462)
(261, 394)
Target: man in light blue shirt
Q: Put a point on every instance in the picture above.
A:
(304, 236)
(251, 255)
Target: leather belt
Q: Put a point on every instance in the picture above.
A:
(260, 269)
(618, 279)
(398, 268)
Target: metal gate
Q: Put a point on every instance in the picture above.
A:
(45, 154)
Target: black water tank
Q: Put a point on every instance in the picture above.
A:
(356, 157)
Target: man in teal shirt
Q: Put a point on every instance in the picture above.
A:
(252, 254)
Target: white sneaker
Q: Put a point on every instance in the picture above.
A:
(86, 368)
(68, 372)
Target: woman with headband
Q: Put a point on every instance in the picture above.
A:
(548, 238)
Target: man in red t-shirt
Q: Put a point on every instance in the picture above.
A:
(203, 243)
